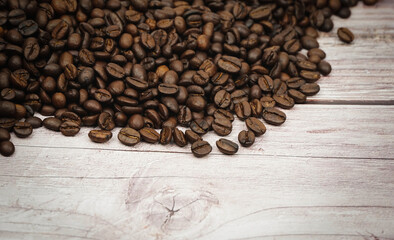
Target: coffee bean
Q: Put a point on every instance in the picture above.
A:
(324, 68)
(221, 113)
(7, 148)
(4, 135)
(274, 116)
(100, 136)
(23, 129)
(310, 89)
(298, 96)
(28, 27)
(34, 121)
(165, 135)
(256, 126)
(199, 126)
(229, 64)
(69, 128)
(201, 148)
(7, 109)
(246, 138)
(226, 146)
(222, 126)
(345, 35)
(52, 123)
(192, 136)
(243, 110)
(262, 12)
(70, 117)
(106, 122)
(115, 71)
(129, 136)
(222, 99)
(179, 138)
(284, 101)
(149, 135)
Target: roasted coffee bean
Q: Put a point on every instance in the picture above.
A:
(298, 96)
(201, 148)
(149, 135)
(324, 68)
(260, 13)
(105, 121)
(179, 138)
(256, 107)
(7, 148)
(246, 138)
(222, 99)
(222, 126)
(34, 121)
(274, 116)
(115, 71)
(4, 135)
(165, 135)
(226, 146)
(199, 126)
(256, 126)
(102, 95)
(70, 117)
(310, 76)
(100, 136)
(23, 129)
(192, 136)
(230, 64)
(69, 128)
(221, 113)
(345, 35)
(243, 110)
(7, 109)
(28, 27)
(310, 89)
(52, 123)
(284, 101)
(129, 136)
(167, 89)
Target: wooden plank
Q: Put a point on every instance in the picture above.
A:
(362, 71)
(84, 195)
(311, 130)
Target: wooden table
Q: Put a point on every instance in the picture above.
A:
(327, 173)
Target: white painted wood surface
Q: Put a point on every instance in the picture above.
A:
(331, 178)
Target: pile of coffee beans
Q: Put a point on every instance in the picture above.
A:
(150, 65)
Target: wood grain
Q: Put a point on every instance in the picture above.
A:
(327, 173)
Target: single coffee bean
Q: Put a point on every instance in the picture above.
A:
(149, 135)
(7, 148)
(69, 128)
(310, 89)
(4, 135)
(222, 126)
(222, 99)
(274, 116)
(165, 135)
(230, 64)
(221, 113)
(199, 126)
(226, 146)
(52, 123)
(115, 71)
(7, 109)
(100, 136)
(70, 117)
(243, 110)
(192, 136)
(201, 148)
(256, 107)
(23, 129)
(129, 136)
(298, 96)
(345, 35)
(324, 68)
(246, 138)
(267, 102)
(167, 89)
(179, 138)
(34, 121)
(310, 76)
(105, 121)
(284, 101)
(256, 126)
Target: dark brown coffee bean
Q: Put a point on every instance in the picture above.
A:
(256, 126)
(102, 95)
(167, 89)
(7, 148)
(165, 135)
(52, 123)
(7, 123)
(265, 83)
(4, 135)
(19, 78)
(136, 121)
(298, 96)
(100, 136)
(28, 27)
(256, 107)
(310, 89)
(199, 126)
(23, 129)
(137, 83)
(149, 135)
(105, 121)
(226, 146)
(229, 64)
(86, 57)
(243, 110)
(31, 49)
(192, 136)
(295, 82)
(345, 35)
(284, 101)
(274, 116)
(310, 76)
(222, 126)
(129, 136)
(201, 148)
(34, 121)
(260, 13)
(246, 138)
(179, 138)
(222, 99)
(324, 68)
(69, 128)
(7, 109)
(70, 117)
(115, 71)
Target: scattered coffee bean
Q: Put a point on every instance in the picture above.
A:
(226, 146)
(149, 135)
(129, 136)
(23, 129)
(345, 35)
(69, 128)
(7, 148)
(201, 148)
(256, 126)
(246, 138)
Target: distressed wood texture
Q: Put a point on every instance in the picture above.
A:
(327, 173)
